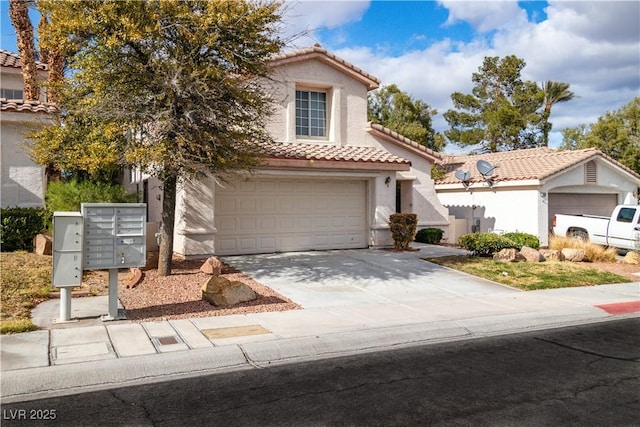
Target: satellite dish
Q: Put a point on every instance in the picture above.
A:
(485, 168)
(463, 175)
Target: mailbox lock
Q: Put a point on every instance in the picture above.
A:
(122, 258)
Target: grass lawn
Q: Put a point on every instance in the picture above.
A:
(26, 281)
(530, 275)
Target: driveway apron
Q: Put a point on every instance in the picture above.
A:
(364, 276)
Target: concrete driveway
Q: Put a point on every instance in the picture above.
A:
(342, 278)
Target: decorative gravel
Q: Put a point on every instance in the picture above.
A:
(179, 296)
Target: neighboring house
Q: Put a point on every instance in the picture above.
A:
(530, 186)
(23, 182)
(331, 180)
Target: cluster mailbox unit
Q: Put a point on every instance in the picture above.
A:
(103, 236)
(67, 257)
(114, 235)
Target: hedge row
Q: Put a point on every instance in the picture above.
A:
(20, 225)
(486, 244)
(431, 236)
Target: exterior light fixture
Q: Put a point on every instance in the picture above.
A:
(387, 181)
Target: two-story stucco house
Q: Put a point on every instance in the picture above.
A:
(329, 181)
(23, 182)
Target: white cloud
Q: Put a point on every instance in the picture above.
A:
(304, 17)
(485, 16)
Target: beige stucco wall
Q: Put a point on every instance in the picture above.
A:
(11, 78)
(347, 103)
(23, 181)
(505, 209)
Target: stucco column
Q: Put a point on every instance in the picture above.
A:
(194, 232)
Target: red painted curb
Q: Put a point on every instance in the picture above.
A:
(621, 307)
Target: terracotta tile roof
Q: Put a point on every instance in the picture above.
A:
(349, 153)
(10, 59)
(519, 165)
(318, 52)
(20, 106)
(405, 142)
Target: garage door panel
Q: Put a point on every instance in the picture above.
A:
(268, 223)
(267, 205)
(303, 223)
(274, 215)
(266, 186)
(226, 207)
(577, 203)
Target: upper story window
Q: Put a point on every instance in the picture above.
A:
(311, 113)
(11, 93)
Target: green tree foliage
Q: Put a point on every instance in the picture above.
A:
(69, 196)
(554, 93)
(616, 134)
(170, 86)
(501, 113)
(398, 111)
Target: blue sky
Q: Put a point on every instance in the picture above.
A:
(431, 48)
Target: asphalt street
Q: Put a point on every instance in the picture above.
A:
(579, 375)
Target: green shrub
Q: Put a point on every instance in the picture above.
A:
(429, 235)
(485, 244)
(68, 196)
(403, 229)
(19, 227)
(523, 239)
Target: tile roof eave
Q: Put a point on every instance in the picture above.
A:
(21, 106)
(566, 160)
(317, 52)
(303, 163)
(404, 142)
(12, 60)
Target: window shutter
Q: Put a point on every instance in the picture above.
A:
(591, 173)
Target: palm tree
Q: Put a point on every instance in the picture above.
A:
(19, 14)
(554, 92)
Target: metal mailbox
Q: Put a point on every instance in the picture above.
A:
(114, 235)
(67, 249)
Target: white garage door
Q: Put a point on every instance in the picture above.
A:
(577, 203)
(282, 215)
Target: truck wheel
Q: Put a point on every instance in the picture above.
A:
(579, 235)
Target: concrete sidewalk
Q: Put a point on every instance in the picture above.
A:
(353, 301)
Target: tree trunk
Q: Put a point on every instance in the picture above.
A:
(55, 60)
(166, 230)
(19, 14)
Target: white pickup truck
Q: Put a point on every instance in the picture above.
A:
(621, 230)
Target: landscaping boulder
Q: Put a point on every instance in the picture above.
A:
(632, 257)
(223, 292)
(135, 278)
(212, 266)
(42, 244)
(531, 255)
(509, 255)
(573, 255)
(552, 255)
